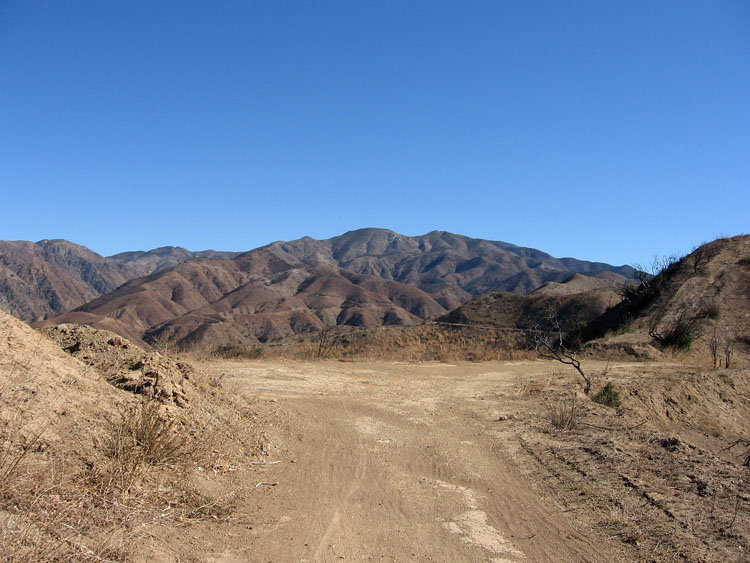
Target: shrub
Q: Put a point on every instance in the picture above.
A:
(563, 416)
(143, 438)
(237, 352)
(745, 453)
(608, 396)
(680, 337)
(678, 334)
(744, 261)
(629, 291)
(712, 311)
(574, 339)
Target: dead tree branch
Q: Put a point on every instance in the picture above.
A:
(551, 344)
(743, 443)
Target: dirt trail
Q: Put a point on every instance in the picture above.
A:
(384, 462)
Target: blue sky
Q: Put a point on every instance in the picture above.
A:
(607, 131)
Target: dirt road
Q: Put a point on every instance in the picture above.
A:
(386, 462)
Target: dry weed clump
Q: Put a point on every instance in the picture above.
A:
(47, 510)
(142, 439)
(56, 507)
(51, 514)
(237, 352)
(563, 415)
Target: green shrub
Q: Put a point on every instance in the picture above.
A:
(712, 311)
(679, 337)
(744, 261)
(608, 396)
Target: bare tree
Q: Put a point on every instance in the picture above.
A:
(699, 257)
(713, 347)
(646, 273)
(728, 352)
(551, 344)
(327, 339)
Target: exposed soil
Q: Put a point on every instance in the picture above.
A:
(96, 448)
(439, 462)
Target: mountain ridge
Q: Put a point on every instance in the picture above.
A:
(53, 276)
(365, 277)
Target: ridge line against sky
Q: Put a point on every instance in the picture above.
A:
(637, 264)
(604, 131)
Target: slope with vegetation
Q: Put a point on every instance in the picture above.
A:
(250, 299)
(574, 302)
(453, 268)
(698, 304)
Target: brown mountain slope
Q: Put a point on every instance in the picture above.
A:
(369, 277)
(142, 263)
(452, 268)
(256, 296)
(578, 301)
(50, 277)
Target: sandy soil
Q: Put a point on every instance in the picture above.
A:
(388, 462)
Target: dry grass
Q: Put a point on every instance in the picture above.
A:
(562, 414)
(55, 508)
(418, 343)
(143, 439)
(91, 496)
(47, 512)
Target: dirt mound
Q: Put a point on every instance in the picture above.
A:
(96, 442)
(126, 365)
(49, 389)
(418, 343)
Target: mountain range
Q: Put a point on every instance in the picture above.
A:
(50, 277)
(365, 277)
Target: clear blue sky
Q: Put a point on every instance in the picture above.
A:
(602, 130)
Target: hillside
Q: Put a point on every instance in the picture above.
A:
(689, 304)
(370, 277)
(576, 302)
(53, 276)
(142, 263)
(50, 277)
(256, 297)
